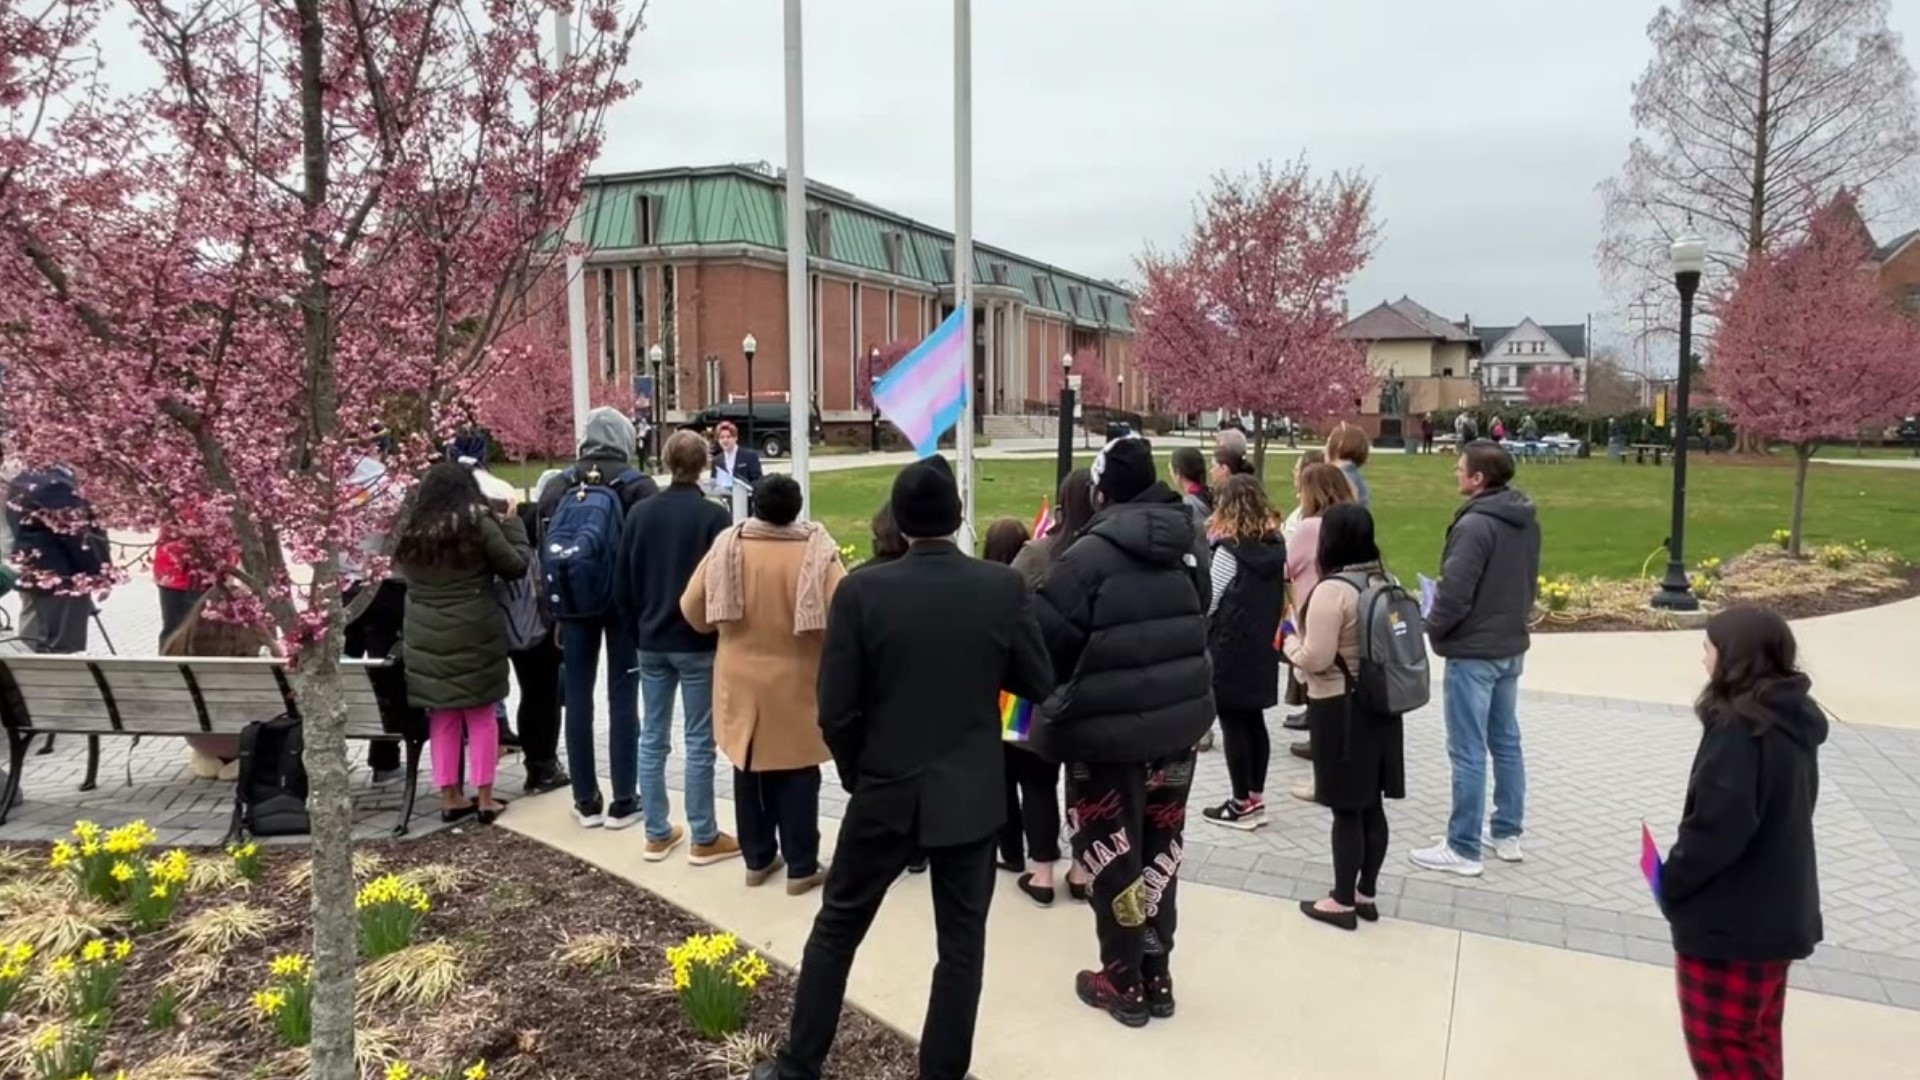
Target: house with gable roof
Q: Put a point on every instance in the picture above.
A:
(1509, 354)
(1429, 355)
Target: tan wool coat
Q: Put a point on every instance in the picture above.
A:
(765, 712)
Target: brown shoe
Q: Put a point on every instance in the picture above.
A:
(757, 878)
(1301, 750)
(660, 849)
(724, 847)
(801, 886)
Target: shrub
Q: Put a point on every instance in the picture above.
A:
(714, 982)
(287, 1000)
(1704, 585)
(1782, 538)
(390, 911)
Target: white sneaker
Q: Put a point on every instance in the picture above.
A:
(1443, 858)
(1507, 850)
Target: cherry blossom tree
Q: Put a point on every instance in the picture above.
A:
(1809, 349)
(1246, 315)
(525, 398)
(212, 289)
(1096, 386)
(1553, 385)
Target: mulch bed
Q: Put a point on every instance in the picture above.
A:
(1822, 593)
(523, 1009)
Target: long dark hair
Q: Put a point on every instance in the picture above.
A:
(1755, 653)
(443, 525)
(1005, 537)
(1191, 467)
(1076, 510)
(888, 544)
(1346, 539)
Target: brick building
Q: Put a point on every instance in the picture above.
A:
(695, 260)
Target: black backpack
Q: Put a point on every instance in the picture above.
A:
(272, 792)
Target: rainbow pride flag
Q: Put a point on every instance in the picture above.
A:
(1016, 718)
(926, 391)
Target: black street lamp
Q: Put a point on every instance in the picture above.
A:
(658, 356)
(1065, 462)
(749, 346)
(873, 403)
(1676, 591)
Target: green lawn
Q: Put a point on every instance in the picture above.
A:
(1599, 519)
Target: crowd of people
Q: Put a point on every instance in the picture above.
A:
(1148, 611)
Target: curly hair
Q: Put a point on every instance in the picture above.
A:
(443, 523)
(1243, 511)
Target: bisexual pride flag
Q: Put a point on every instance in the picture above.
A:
(926, 391)
(1650, 862)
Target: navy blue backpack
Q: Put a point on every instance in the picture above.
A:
(581, 545)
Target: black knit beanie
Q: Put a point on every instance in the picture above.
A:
(926, 501)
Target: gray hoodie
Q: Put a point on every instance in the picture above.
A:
(1489, 576)
(608, 446)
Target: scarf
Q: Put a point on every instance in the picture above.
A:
(726, 572)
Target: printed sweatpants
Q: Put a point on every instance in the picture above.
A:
(1128, 822)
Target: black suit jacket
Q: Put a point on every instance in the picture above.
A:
(917, 652)
(746, 465)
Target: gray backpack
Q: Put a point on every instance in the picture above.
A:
(520, 608)
(1394, 677)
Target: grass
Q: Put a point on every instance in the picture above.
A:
(1599, 518)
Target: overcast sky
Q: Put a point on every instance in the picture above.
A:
(1485, 123)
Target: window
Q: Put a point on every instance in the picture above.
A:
(893, 316)
(1513, 348)
(646, 220)
(813, 351)
(895, 244)
(999, 271)
(1106, 309)
(609, 323)
(1539, 348)
(668, 390)
(1910, 298)
(637, 303)
(1446, 373)
(1043, 289)
(857, 345)
(1073, 298)
(820, 233)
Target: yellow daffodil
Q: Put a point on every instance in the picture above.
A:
(477, 1072)
(20, 952)
(46, 1038)
(399, 1070)
(122, 873)
(289, 965)
(269, 1002)
(89, 848)
(159, 891)
(86, 830)
(11, 972)
(94, 951)
(122, 949)
(63, 965)
(62, 855)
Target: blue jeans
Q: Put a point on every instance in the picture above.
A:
(692, 674)
(580, 671)
(1483, 719)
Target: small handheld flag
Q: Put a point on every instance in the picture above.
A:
(1043, 521)
(1016, 718)
(1649, 859)
(926, 391)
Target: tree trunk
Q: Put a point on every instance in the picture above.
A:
(1802, 454)
(1260, 446)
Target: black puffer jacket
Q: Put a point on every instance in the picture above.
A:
(1246, 666)
(1741, 881)
(1123, 613)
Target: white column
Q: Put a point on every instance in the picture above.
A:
(799, 303)
(993, 355)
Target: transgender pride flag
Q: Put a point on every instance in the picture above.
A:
(926, 391)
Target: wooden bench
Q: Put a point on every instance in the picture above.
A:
(106, 697)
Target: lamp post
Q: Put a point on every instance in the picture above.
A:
(1065, 463)
(873, 403)
(749, 346)
(1689, 262)
(657, 355)
(1120, 390)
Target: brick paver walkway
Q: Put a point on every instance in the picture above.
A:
(1596, 769)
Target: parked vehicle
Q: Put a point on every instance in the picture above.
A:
(769, 430)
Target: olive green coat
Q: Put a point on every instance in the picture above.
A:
(455, 641)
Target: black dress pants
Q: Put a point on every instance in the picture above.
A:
(537, 670)
(778, 813)
(1129, 823)
(1032, 830)
(871, 856)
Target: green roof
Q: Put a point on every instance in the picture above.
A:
(736, 204)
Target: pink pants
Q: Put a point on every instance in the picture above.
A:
(483, 741)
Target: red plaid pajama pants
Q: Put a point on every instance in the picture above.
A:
(1730, 1011)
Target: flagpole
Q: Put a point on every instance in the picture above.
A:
(799, 307)
(963, 244)
(575, 267)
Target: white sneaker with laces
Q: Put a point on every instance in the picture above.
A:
(1507, 850)
(1443, 858)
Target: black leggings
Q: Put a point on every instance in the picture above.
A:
(1033, 808)
(1359, 849)
(1248, 750)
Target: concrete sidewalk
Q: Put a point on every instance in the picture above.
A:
(1862, 664)
(1263, 992)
